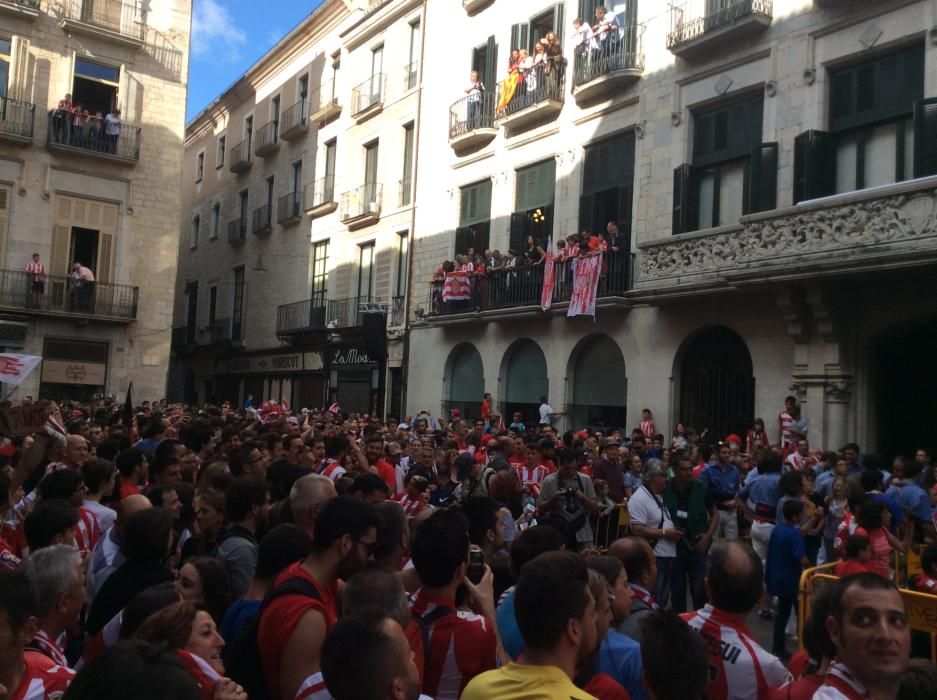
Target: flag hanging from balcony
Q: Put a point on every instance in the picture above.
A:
(549, 278)
(458, 286)
(586, 271)
(15, 368)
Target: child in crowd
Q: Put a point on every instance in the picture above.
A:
(606, 504)
(858, 557)
(786, 561)
(926, 582)
(756, 437)
(414, 500)
(873, 522)
(647, 424)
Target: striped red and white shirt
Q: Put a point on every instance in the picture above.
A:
(461, 646)
(840, 684)
(412, 506)
(49, 648)
(739, 669)
(313, 688)
(530, 475)
(43, 679)
(37, 270)
(647, 429)
(88, 532)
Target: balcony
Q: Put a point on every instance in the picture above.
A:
(324, 105)
(473, 6)
(262, 220)
(700, 27)
(237, 231)
(90, 139)
(367, 98)
(361, 206)
(319, 197)
(289, 210)
(611, 69)
(891, 226)
(530, 99)
(411, 75)
(405, 192)
(25, 9)
(266, 142)
(472, 122)
(16, 120)
(100, 301)
(293, 123)
(319, 315)
(118, 22)
(520, 288)
(239, 157)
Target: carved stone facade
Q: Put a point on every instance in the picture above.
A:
(850, 228)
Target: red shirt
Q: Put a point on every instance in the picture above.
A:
(387, 473)
(486, 410)
(925, 584)
(43, 680)
(854, 566)
(801, 689)
(461, 645)
(278, 622)
(881, 550)
(127, 489)
(604, 687)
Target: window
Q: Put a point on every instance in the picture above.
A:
(94, 86)
(193, 234)
(249, 132)
(336, 65)
(525, 34)
(732, 172)
(303, 87)
(6, 48)
(365, 271)
(237, 305)
(219, 157)
(212, 306)
(275, 109)
(485, 61)
(191, 312)
(413, 66)
(329, 190)
(406, 190)
(607, 185)
(402, 244)
(200, 166)
(242, 206)
(377, 60)
(320, 270)
(533, 204)
(474, 229)
(297, 177)
(215, 220)
(370, 169)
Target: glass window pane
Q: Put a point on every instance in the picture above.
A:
(731, 189)
(89, 69)
(846, 164)
(881, 145)
(6, 46)
(707, 184)
(908, 149)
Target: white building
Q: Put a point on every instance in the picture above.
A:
(772, 167)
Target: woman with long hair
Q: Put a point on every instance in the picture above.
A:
(204, 582)
(209, 522)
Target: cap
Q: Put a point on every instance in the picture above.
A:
(732, 437)
(455, 413)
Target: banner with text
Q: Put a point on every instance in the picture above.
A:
(458, 286)
(586, 271)
(549, 278)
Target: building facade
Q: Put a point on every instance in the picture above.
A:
(297, 223)
(84, 187)
(772, 171)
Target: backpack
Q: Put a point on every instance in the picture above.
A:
(243, 661)
(424, 622)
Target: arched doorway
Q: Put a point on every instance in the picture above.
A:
(525, 381)
(600, 388)
(466, 381)
(717, 386)
(906, 389)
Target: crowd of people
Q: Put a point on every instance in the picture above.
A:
(74, 125)
(226, 552)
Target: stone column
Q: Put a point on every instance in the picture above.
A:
(836, 395)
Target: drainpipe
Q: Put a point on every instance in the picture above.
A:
(412, 236)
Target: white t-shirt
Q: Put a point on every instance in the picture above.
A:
(648, 510)
(546, 413)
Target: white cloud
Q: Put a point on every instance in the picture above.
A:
(214, 31)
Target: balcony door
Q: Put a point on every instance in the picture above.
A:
(370, 172)
(365, 271)
(84, 248)
(84, 232)
(5, 49)
(94, 86)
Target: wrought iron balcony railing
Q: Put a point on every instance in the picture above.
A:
(289, 209)
(293, 120)
(262, 219)
(694, 18)
(361, 202)
(239, 157)
(319, 194)
(541, 84)
(237, 230)
(16, 118)
(266, 140)
(322, 314)
(61, 295)
(126, 19)
(472, 112)
(624, 52)
(91, 135)
(368, 94)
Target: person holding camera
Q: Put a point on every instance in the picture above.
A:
(567, 499)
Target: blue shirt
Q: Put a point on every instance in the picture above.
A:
(785, 551)
(723, 483)
(897, 515)
(912, 498)
(511, 637)
(620, 658)
(764, 489)
(824, 484)
(237, 617)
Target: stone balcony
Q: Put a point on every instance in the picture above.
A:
(113, 20)
(701, 27)
(888, 227)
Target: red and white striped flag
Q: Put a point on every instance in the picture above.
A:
(458, 286)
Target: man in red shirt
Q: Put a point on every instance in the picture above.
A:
(131, 463)
(293, 627)
(461, 645)
(374, 451)
(486, 409)
(25, 675)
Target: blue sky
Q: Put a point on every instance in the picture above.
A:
(229, 35)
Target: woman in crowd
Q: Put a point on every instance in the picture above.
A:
(204, 582)
(209, 521)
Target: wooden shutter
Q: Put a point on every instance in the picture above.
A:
(5, 197)
(19, 85)
(60, 245)
(763, 178)
(382, 270)
(682, 195)
(106, 223)
(520, 37)
(586, 212)
(475, 203)
(813, 165)
(463, 240)
(925, 137)
(519, 226)
(490, 76)
(535, 185)
(558, 23)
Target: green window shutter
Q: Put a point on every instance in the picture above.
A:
(463, 240)
(586, 212)
(535, 185)
(520, 36)
(475, 203)
(925, 137)
(682, 195)
(763, 178)
(814, 161)
(520, 225)
(558, 23)
(490, 76)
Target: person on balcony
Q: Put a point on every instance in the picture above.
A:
(83, 284)
(511, 83)
(112, 130)
(582, 38)
(605, 31)
(61, 117)
(76, 122)
(474, 91)
(534, 252)
(37, 280)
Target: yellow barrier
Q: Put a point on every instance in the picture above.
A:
(610, 527)
(921, 607)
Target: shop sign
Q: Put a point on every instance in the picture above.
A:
(69, 372)
(273, 364)
(350, 357)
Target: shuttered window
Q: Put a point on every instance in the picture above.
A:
(607, 184)
(535, 186)
(5, 197)
(728, 131)
(475, 203)
(88, 214)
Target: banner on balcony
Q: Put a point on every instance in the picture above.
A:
(549, 278)
(586, 271)
(15, 368)
(458, 286)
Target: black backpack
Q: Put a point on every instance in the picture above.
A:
(424, 622)
(242, 660)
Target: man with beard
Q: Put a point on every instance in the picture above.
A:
(374, 451)
(246, 504)
(293, 626)
(556, 614)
